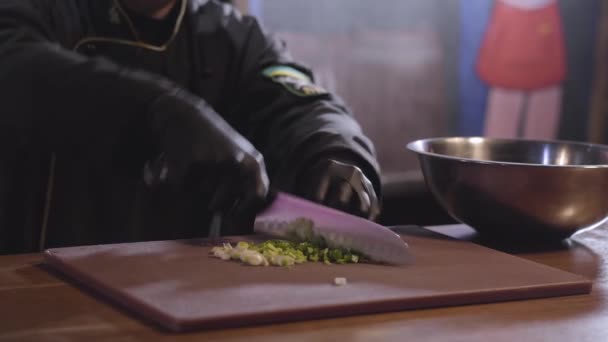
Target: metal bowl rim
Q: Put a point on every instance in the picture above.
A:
(410, 146)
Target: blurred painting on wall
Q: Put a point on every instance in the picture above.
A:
(526, 67)
(522, 60)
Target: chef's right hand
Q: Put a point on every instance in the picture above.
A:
(202, 152)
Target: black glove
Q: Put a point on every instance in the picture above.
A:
(203, 153)
(340, 185)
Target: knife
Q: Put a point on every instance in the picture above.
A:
(286, 217)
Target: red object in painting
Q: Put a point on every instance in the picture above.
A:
(523, 48)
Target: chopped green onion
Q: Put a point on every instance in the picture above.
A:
(283, 253)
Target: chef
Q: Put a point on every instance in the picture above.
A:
(131, 120)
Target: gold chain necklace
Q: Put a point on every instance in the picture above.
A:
(137, 42)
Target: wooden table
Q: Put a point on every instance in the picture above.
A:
(36, 305)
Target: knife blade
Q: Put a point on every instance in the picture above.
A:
(336, 228)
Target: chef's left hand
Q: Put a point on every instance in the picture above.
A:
(340, 185)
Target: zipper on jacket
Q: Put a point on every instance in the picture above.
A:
(47, 202)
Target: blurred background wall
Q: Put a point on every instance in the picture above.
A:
(425, 68)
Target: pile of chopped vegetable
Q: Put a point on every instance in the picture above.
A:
(283, 253)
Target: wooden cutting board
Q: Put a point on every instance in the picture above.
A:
(179, 286)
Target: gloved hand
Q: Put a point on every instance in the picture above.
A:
(341, 186)
(203, 153)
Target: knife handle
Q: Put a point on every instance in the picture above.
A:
(215, 226)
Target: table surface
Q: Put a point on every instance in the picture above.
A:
(37, 305)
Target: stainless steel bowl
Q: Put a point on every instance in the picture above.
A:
(513, 188)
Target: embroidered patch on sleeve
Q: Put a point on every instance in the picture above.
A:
(293, 80)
